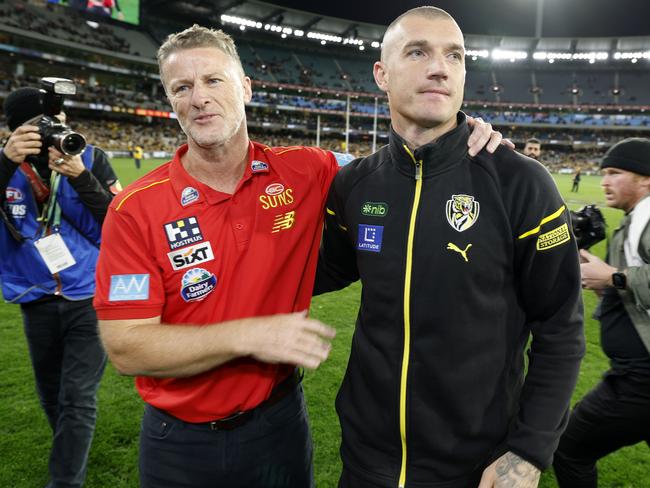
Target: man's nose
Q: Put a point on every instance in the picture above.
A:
(436, 66)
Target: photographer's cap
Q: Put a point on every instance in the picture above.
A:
(632, 154)
(22, 105)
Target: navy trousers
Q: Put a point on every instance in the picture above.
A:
(614, 414)
(68, 362)
(272, 449)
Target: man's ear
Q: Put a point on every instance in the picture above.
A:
(381, 76)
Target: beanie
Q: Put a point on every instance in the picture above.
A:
(22, 105)
(632, 154)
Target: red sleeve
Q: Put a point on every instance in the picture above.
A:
(129, 280)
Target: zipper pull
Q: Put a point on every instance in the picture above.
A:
(418, 170)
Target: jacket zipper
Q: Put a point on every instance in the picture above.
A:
(407, 314)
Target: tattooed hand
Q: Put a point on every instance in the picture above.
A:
(510, 471)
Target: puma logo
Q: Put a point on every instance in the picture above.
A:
(463, 252)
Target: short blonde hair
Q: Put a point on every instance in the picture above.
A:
(197, 36)
(426, 11)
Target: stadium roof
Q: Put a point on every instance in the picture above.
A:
(566, 26)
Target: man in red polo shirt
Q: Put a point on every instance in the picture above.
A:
(204, 277)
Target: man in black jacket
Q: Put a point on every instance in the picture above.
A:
(461, 259)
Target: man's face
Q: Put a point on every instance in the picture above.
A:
(623, 189)
(208, 92)
(423, 71)
(533, 150)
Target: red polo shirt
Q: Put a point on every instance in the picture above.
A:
(174, 247)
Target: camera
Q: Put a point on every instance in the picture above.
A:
(588, 226)
(52, 131)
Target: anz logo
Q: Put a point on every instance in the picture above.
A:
(191, 256)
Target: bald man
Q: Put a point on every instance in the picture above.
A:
(461, 258)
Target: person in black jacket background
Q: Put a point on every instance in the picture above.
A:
(461, 258)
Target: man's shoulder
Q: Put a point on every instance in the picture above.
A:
(511, 166)
(292, 152)
(363, 166)
(143, 187)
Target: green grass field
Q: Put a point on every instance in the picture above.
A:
(25, 435)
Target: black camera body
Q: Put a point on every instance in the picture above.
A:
(588, 226)
(53, 132)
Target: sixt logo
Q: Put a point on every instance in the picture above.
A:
(276, 196)
(190, 256)
(14, 195)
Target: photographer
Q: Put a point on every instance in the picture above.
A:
(52, 207)
(616, 412)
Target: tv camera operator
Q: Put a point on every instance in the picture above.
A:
(616, 412)
(54, 193)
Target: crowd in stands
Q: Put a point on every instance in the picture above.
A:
(60, 23)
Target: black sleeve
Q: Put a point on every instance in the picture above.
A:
(337, 262)
(94, 187)
(548, 275)
(7, 170)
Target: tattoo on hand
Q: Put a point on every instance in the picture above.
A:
(514, 472)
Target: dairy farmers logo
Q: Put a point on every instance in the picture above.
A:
(276, 196)
(196, 284)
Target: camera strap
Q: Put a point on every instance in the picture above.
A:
(40, 189)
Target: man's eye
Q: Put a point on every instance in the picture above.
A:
(180, 88)
(456, 56)
(415, 53)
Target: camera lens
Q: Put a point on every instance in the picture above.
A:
(70, 143)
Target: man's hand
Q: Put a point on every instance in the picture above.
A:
(290, 338)
(24, 141)
(482, 136)
(510, 471)
(596, 273)
(70, 166)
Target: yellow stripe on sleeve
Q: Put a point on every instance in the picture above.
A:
(139, 189)
(554, 215)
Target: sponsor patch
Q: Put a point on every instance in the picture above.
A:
(462, 212)
(257, 166)
(14, 195)
(370, 237)
(283, 221)
(191, 256)
(463, 252)
(196, 284)
(189, 195)
(129, 287)
(553, 238)
(276, 196)
(374, 209)
(183, 232)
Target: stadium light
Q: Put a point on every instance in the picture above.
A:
(501, 54)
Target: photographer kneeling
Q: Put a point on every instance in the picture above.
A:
(54, 194)
(616, 412)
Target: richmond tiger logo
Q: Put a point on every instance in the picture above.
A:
(462, 212)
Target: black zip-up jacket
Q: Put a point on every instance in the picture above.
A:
(460, 259)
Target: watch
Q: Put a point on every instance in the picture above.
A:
(619, 280)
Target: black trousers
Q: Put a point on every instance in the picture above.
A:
(616, 413)
(68, 362)
(272, 449)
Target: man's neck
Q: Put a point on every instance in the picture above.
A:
(416, 136)
(220, 167)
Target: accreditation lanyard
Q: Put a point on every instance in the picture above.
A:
(51, 213)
